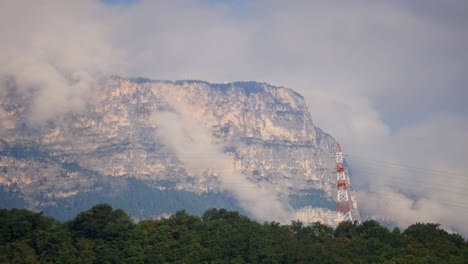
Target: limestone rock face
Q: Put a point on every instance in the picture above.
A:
(266, 130)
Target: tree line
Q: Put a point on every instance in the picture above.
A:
(105, 235)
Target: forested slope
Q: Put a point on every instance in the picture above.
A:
(105, 235)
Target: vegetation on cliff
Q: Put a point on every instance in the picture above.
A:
(105, 235)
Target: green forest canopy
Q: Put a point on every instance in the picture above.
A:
(105, 235)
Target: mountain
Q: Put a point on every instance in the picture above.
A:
(152, 147)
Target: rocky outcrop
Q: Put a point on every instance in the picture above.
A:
(267, 130)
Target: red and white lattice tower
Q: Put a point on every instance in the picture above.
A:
(343, 206)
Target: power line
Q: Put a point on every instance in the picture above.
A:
(418, 180)
(357, 158)
(399, 165)
(444, 202)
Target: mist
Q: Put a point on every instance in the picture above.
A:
(56, 53)
(386, 78)
(191, 142)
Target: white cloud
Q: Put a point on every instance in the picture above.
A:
(57, 52)
(424, 179)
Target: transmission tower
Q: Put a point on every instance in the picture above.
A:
(343, 206)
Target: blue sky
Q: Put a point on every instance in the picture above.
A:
(235, 3)
(120, 2)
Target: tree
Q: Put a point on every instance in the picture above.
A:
(101, 221)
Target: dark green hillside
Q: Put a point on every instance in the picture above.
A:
(105, 235)
(139, 200)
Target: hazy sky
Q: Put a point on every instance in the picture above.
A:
(388, 79)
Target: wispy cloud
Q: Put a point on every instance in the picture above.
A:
(192, 143)
(56, 53)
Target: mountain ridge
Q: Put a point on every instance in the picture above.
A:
(266, 130)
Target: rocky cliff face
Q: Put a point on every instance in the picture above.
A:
(267, 131)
